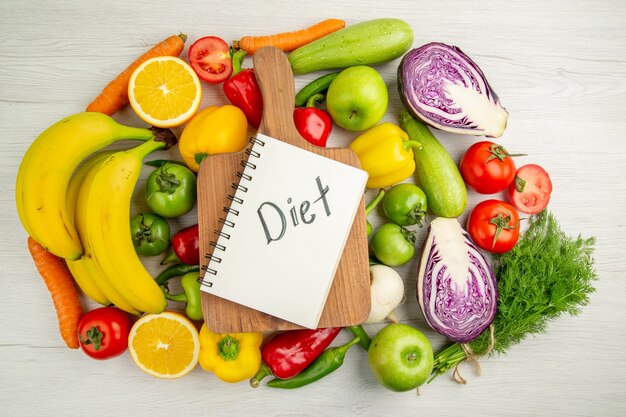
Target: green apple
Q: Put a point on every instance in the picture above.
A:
(400, 357)
(357, 98)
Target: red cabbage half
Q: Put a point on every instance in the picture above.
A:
(456, 287)
(443, 87)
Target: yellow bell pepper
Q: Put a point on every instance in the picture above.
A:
(214, 130)
(232, 357)
(386, 153)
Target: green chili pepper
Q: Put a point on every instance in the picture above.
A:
(329, 361)
(191, 288)
(316, 86)
(364, 338)
(371, 206)
(177, 270)
(158, 163)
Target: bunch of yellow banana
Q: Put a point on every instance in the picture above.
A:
(87, 220)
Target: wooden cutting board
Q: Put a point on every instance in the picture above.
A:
(348, 301)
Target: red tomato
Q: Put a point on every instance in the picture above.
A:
(494, 226)
(487, 167)
(103, 332)
(210, 59)
(531, 189)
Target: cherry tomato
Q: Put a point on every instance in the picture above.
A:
(103, 332)
(210, 59)
(530, 190)
(487, 167)
(494, 226)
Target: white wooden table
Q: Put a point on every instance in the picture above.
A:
(560, 69)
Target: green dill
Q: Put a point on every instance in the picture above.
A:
(545, 275)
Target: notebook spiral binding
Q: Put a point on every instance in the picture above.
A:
(234, 198)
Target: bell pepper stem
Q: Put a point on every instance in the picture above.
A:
(237, 59)
(182, 297)
(170, 258)
(228, 348)
(413, 144)
(263, 372)
(314, 99)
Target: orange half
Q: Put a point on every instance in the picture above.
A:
(164, 345)
(165, 91)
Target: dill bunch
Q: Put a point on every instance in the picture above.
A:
(545, 275)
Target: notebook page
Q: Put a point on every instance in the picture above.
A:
(285, 232)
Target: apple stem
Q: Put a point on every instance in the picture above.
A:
(351, 114)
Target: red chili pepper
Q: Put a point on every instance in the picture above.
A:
(185, 247)
(312, 123)
(288, 353)
(242, 90)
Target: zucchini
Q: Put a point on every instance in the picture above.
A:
(366, 43)
(435, 171)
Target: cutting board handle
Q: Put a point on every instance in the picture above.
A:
(275, 77)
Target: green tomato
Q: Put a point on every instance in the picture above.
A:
(171, 190)
(150, 233)
(405, 204)
(393, 245)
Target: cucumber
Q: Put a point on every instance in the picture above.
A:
(435, 171)
(366, 43)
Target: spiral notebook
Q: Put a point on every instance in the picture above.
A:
(284, 232)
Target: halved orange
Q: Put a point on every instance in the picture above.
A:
(164, 345)
(164, 91)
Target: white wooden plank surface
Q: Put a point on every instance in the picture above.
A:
(559, 67)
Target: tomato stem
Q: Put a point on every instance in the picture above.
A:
(168, 183)
(498, 152)
(501, 221)
(94, 336)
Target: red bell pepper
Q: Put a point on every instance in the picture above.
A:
(185, 247)
(288, 353)
(312, 123)
(242, 90)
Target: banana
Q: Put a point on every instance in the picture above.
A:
(80, 267)
(45, 171)
(86, 270)
(108, 228)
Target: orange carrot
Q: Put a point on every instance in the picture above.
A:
(288, 41)
(60, 283)
(115, 94)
